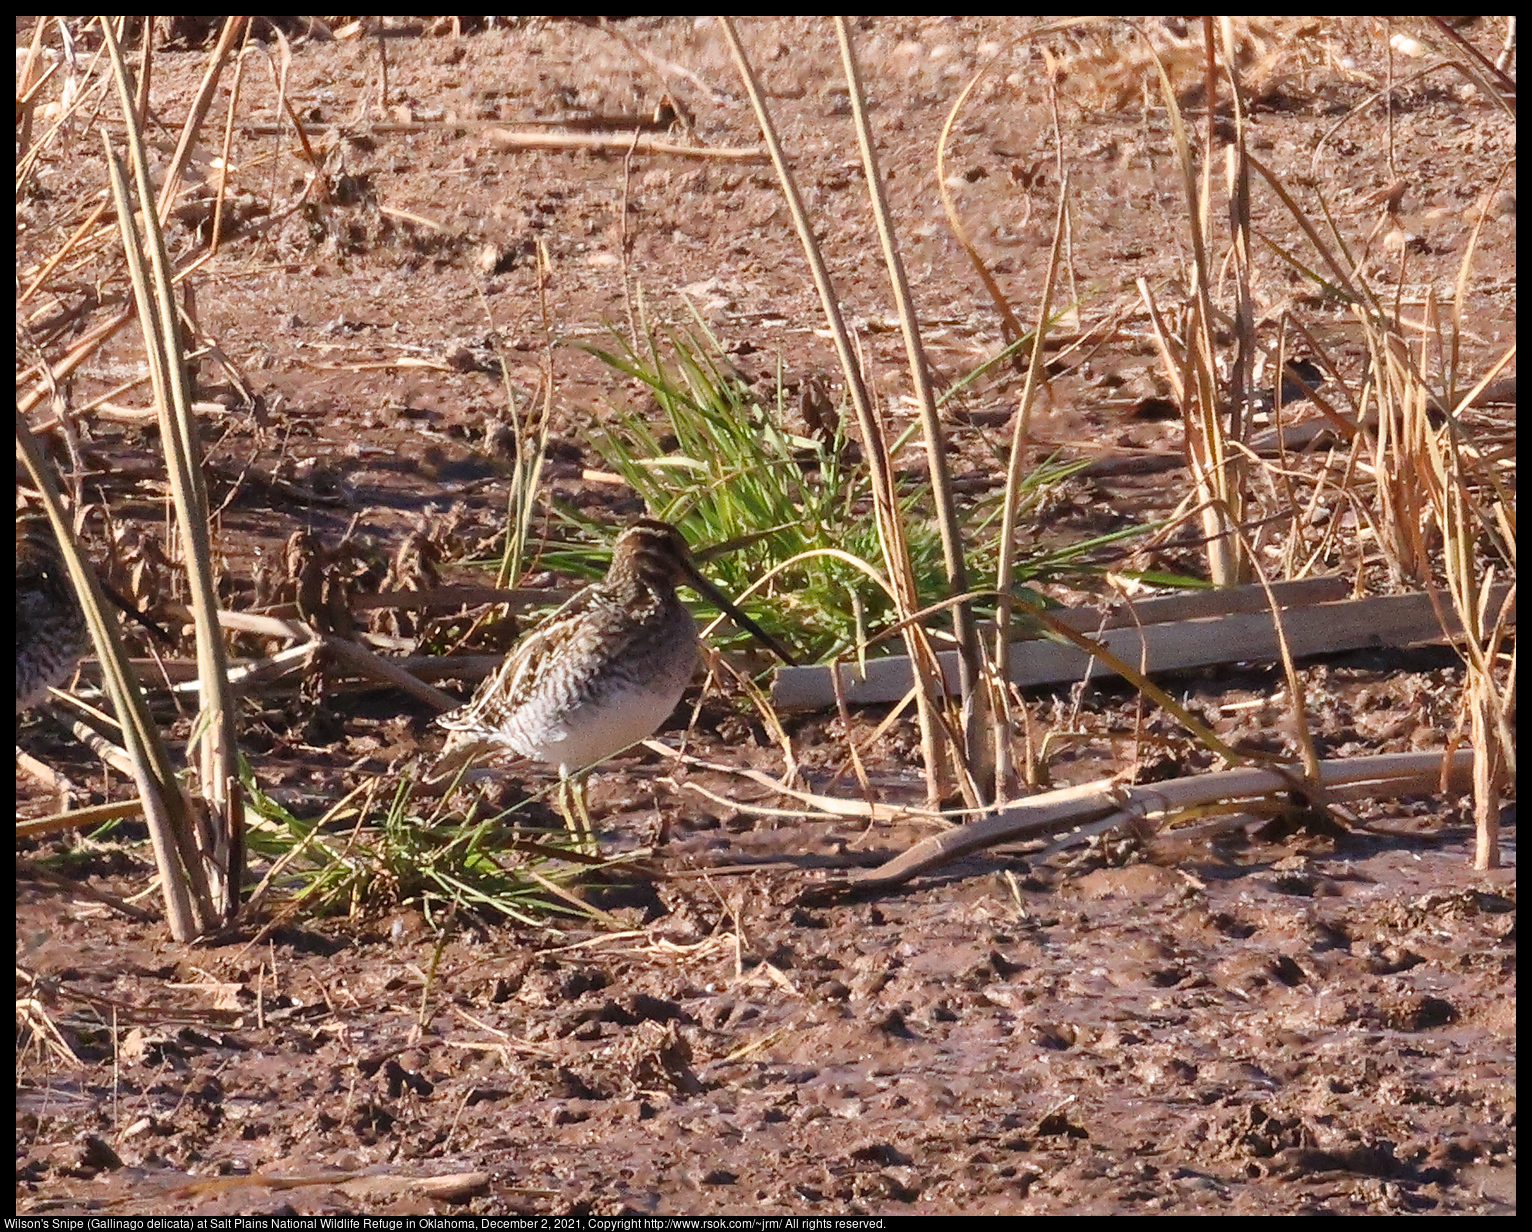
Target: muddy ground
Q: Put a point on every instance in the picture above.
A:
(1237, 1022)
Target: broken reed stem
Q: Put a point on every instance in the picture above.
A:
(1005, 572)
(1105, 804)
(1216, 470)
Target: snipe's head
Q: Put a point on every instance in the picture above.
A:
(654, 553)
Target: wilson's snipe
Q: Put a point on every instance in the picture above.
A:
(50, 630)
(602, 672)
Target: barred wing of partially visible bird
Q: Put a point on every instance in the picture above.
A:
(51, 634)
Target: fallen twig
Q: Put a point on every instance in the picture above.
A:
(1386, 774)
(505, 139)
(833, 806)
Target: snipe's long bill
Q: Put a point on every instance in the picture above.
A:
(601, 673)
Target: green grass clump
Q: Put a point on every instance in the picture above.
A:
(718, 460)
(362, 859)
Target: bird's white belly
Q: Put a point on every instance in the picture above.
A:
(575, 738)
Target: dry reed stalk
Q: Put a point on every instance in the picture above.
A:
(166, 807)
(1217, 470)
(1458, 512)
(975, 769)
(80, 819)
(936, 742)
(1010, 510)
(530, 433)
(1237, 189)
(218, 846)
(505, 139)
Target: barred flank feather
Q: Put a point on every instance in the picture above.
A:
(50, 630)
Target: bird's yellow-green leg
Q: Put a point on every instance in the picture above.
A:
(574, 808)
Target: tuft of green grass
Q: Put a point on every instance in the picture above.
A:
(750, 495)
(361, 859)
